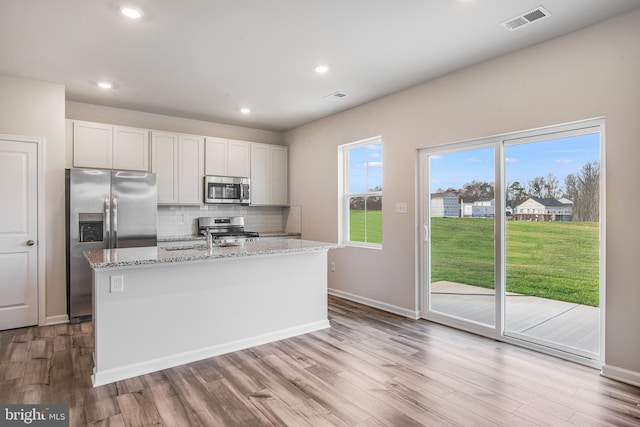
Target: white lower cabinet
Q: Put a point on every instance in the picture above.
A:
(178, 162)
(269, 175)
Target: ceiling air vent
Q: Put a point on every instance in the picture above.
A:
(335, 96)
(526, 18)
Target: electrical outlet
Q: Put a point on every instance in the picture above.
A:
(333, 266)
(116, 284)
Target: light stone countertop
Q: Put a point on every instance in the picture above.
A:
(128, 257)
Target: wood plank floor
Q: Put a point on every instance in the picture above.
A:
(369, 369)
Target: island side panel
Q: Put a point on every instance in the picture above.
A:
(174, 313)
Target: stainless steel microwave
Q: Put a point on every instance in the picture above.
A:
(227, 190)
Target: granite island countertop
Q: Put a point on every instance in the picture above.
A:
(128, 257)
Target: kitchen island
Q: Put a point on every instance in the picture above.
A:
(156, 308)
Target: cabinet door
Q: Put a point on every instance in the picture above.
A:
(260, 174)
(279, 174)
(216, 156)
(130, 148)
(164, 163)
(190, 169)
(92, 145)
(238, 158)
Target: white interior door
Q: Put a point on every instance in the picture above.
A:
(18, 234)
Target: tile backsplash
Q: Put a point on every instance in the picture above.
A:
(183, 220)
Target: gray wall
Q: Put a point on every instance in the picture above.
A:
(590, 73)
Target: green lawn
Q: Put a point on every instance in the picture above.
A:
(556, 260)
(357, 226)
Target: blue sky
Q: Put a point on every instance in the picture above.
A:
(523, 162)
(365, 168)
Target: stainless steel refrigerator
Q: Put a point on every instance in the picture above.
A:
(104, 210)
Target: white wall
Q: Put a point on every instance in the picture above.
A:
(119, 116)
(33, 108)
(590, 73)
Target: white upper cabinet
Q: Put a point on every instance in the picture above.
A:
(269, 175)
(178, 162)
(164, 163)
(104, 146)
(215, 156)
(260, 174)
(190, 169)
(238, 158)
(92, 145)
(279, 176)
(227, 157)
(130, 148)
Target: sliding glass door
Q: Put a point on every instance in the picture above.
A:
(461, 224)
(511, 230)
(552, 241)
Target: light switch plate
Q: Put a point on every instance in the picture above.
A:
(401, 207)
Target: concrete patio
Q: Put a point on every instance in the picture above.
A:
(569, 324)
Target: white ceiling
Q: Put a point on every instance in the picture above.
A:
(204, 59)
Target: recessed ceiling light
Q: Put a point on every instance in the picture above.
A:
(105, 85)
(245, 110)
(131, 12)
(321, 69)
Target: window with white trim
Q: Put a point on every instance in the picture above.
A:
(361, 193)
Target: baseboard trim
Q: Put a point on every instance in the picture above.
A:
(56, 320)
(620, 374)
(112, 375)
(375, 304)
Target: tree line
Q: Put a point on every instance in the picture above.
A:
(582, 188)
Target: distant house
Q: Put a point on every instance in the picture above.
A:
(478, 208)
(541, 209)
(445, 205)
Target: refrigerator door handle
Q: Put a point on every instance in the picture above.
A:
(115, 222)
(107, 222)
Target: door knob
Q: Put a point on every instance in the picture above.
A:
(30, 243)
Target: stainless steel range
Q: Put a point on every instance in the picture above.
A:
(226, 230)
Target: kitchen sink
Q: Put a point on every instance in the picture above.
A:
(185, 248)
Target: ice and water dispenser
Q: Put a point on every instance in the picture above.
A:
(91, 227)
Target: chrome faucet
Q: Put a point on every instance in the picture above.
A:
(209, 238)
